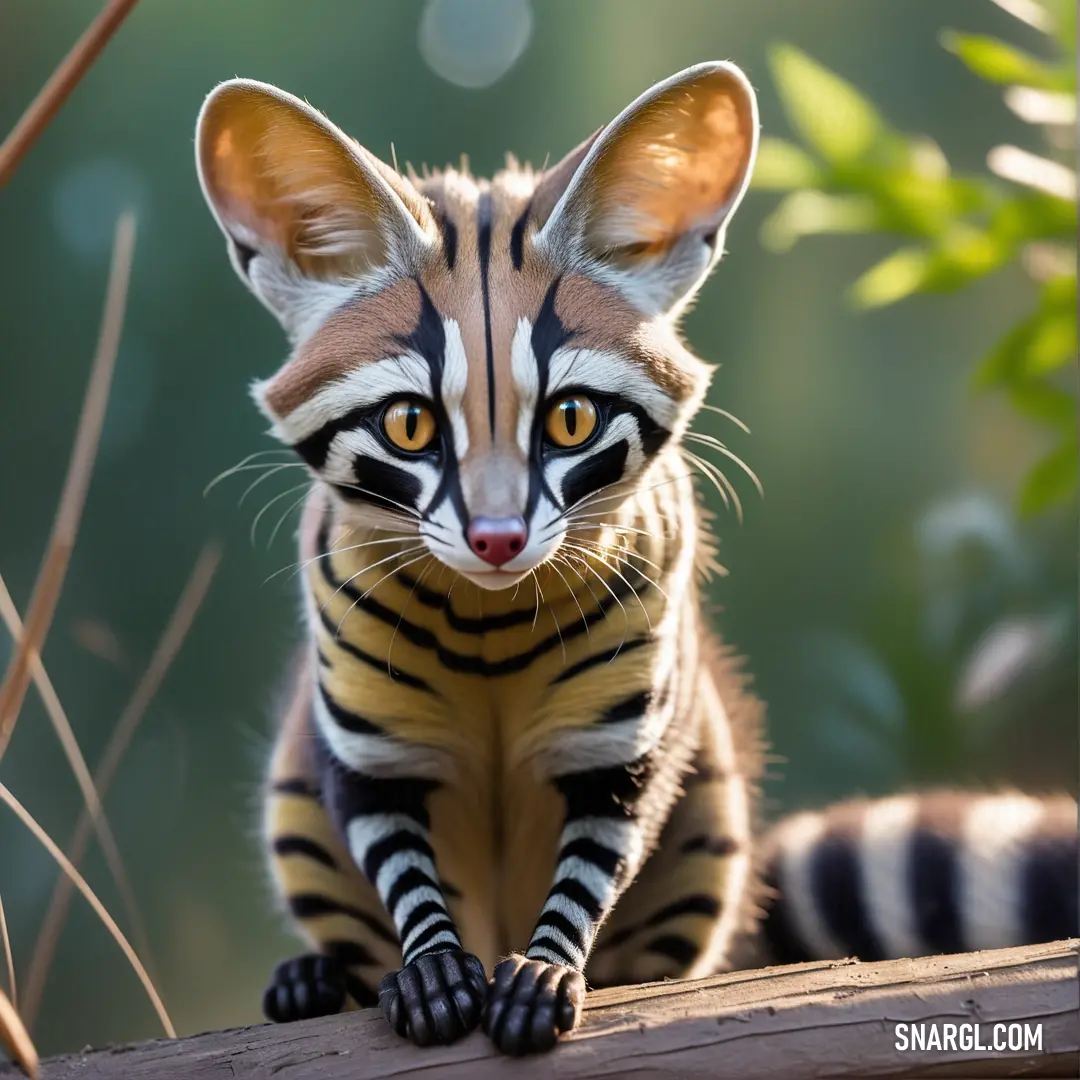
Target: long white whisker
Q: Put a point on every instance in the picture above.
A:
(273, 471)
(615, 571)
(716, 444)
(722, 484)
(388, 574)
(298, 567)
(281, 520)
(573, 596)
(410, 510)
(242, 466)
(614, 595)
(727, 416)
(276, 499)
(401, 616)
(625, 553)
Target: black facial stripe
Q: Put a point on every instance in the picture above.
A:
(596, 471)
(315, 448)
(653, 436)
(448, 230)
(383, 484)
(483, 246)
(548, 334)
(428, 338)
(517, 238)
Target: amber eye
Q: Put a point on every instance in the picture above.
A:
(571, 420)
(409, 425)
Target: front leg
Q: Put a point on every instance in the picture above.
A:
(438, 994)
(536, 997)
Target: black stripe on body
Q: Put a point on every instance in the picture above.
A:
(606, 657)
(837, 887)
(601, 856)
(605, 792)
(483, 248)
(694, 904)
(347, 719)
(425, 638)
(407, 882)
(632, 708)
(394, 844)
(784, 943)
(350, 798)
(675, 947)
(719, 846)
(463, 624)
(933, 870)
(295, 786)
(349, 953)
(315, 905)
(556, 920)
(1049, 890)
(290, 844)
(373, 662)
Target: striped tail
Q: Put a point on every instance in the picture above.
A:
(920, 874)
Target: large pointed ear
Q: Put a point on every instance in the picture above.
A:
(646, 208)
(309, 214)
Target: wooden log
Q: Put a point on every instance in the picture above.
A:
(836, 1019)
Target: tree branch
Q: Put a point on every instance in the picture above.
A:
(794, 1023)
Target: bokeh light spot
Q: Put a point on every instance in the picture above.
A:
(474, 43)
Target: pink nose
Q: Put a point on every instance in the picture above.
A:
(497, 540)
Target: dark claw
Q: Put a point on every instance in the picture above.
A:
(437, 998)
(306, 986)
(531, 1003)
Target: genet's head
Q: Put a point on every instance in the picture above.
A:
(481, 361)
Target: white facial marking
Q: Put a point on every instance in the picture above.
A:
(369, 384)
(454, 380)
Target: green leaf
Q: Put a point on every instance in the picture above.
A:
(1045, 404)
(1004, 64)
(895, 277)
(1053, 480)
(1052, 345)
(1004, 359)
(782, 165)
(1041, 343)
(828, 112)
(809, 213)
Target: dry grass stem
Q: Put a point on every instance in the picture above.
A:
(16, 1040)
(79, 768)
(8, 956)
(58, 89)
(54, 566)
(168, 646)
(77, 879)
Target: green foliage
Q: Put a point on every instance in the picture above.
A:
(854, 173)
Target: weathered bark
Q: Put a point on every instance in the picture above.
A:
(806, 1021)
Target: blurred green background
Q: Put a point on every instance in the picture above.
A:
(904, 624)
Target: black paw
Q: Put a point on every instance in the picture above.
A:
(531, 1003)
(307, 986)
(437, 998)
